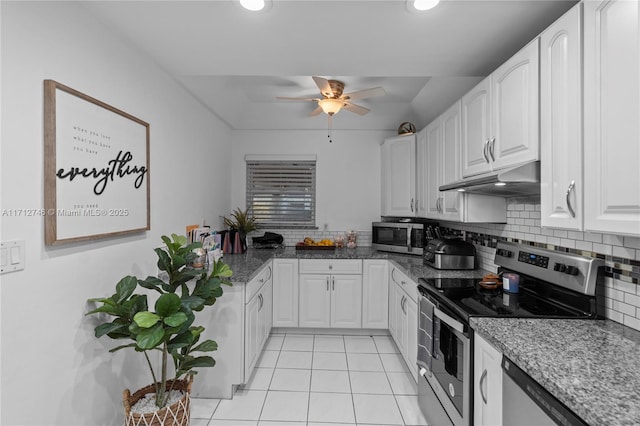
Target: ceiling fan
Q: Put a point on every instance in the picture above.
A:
(334, 99)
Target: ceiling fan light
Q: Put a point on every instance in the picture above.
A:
(331, 106)
(423, 5)
(253, 5)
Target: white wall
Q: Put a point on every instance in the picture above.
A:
(54, 371)
(347, 171)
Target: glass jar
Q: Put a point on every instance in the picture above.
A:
(352, 237)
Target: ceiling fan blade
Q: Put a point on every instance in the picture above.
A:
(360, 110)
(315, 112)
(323, 85)
(286, 98)
(366, 93)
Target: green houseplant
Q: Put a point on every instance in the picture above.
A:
(169, 328)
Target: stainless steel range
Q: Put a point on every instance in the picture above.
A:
(541, 283)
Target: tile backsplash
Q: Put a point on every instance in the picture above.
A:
(618, 291)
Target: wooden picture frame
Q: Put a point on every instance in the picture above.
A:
(96, 168)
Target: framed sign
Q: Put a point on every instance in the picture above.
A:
(96, 168)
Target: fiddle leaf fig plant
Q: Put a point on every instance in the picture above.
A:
(169, 328)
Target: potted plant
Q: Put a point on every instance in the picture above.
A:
(168, 329)
(241, 223)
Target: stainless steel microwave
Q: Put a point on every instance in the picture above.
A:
(399, 237)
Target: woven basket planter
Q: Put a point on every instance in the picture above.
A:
(176, 414)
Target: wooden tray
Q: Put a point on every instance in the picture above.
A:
(302, 246)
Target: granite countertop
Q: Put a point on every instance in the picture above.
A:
(592, 366)
(246, 265)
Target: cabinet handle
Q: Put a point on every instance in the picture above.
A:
(492, 146)
(412, 205)
(260, 302)
(261, 280)
(327, 283)
(404, 299)
(484, 151)
(571, 186)
(482, 379)
(270, 272)
(333, 283)
(393, 277)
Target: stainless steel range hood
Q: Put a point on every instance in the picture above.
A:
(522, 180)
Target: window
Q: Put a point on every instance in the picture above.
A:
(281, 192)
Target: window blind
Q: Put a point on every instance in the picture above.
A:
(282, 193)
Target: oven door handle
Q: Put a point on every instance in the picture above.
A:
(450, 321)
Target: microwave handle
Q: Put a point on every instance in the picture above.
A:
(409, 231)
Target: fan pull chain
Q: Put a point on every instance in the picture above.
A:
(329, 130)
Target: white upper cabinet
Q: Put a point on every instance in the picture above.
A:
(500, 116)
(443, 165)
(514, 109)
(422, 168)
(561, 122)
(399, 176)
(612, 116)
(442, 139)
(476, 128)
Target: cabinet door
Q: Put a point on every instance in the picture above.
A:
(561, 123)
(422, 168)
(393, 308)
(476, 127)
(285, 292)
(514, 109)
(399, 158)
(450, 206)
(346, 301)
(434, 167)
(487, 383)
(411, 355)
(612, 116)
(252, 335)
(375, 294)
(266, 314)
(315, 301)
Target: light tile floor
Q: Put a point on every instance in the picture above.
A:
(320, 380)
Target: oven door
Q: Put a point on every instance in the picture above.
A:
(451, 365)
(398, 237)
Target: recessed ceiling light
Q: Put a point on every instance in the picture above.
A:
(423, 5)
(461, 190)
(500, 184)
(254, 5)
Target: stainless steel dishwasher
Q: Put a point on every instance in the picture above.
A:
(527, 403)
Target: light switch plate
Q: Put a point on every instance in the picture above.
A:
(12, 256)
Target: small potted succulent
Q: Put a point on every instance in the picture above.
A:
(168, 329)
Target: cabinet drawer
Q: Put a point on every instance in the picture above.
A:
(404, 282)
(330, 266)
(257, 282)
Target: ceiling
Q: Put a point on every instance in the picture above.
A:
(237, 62)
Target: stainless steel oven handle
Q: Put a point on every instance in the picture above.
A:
(482, 380)
(450, 321)
(409, 231)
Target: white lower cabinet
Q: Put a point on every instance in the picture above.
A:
(403, 317)
(331, 301)
(375, 294)
(285, 292)
(258, 320)
(487, 383)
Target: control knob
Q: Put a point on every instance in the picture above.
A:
(572, 270)
(504, 253)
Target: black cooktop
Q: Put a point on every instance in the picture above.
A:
(536, 299)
